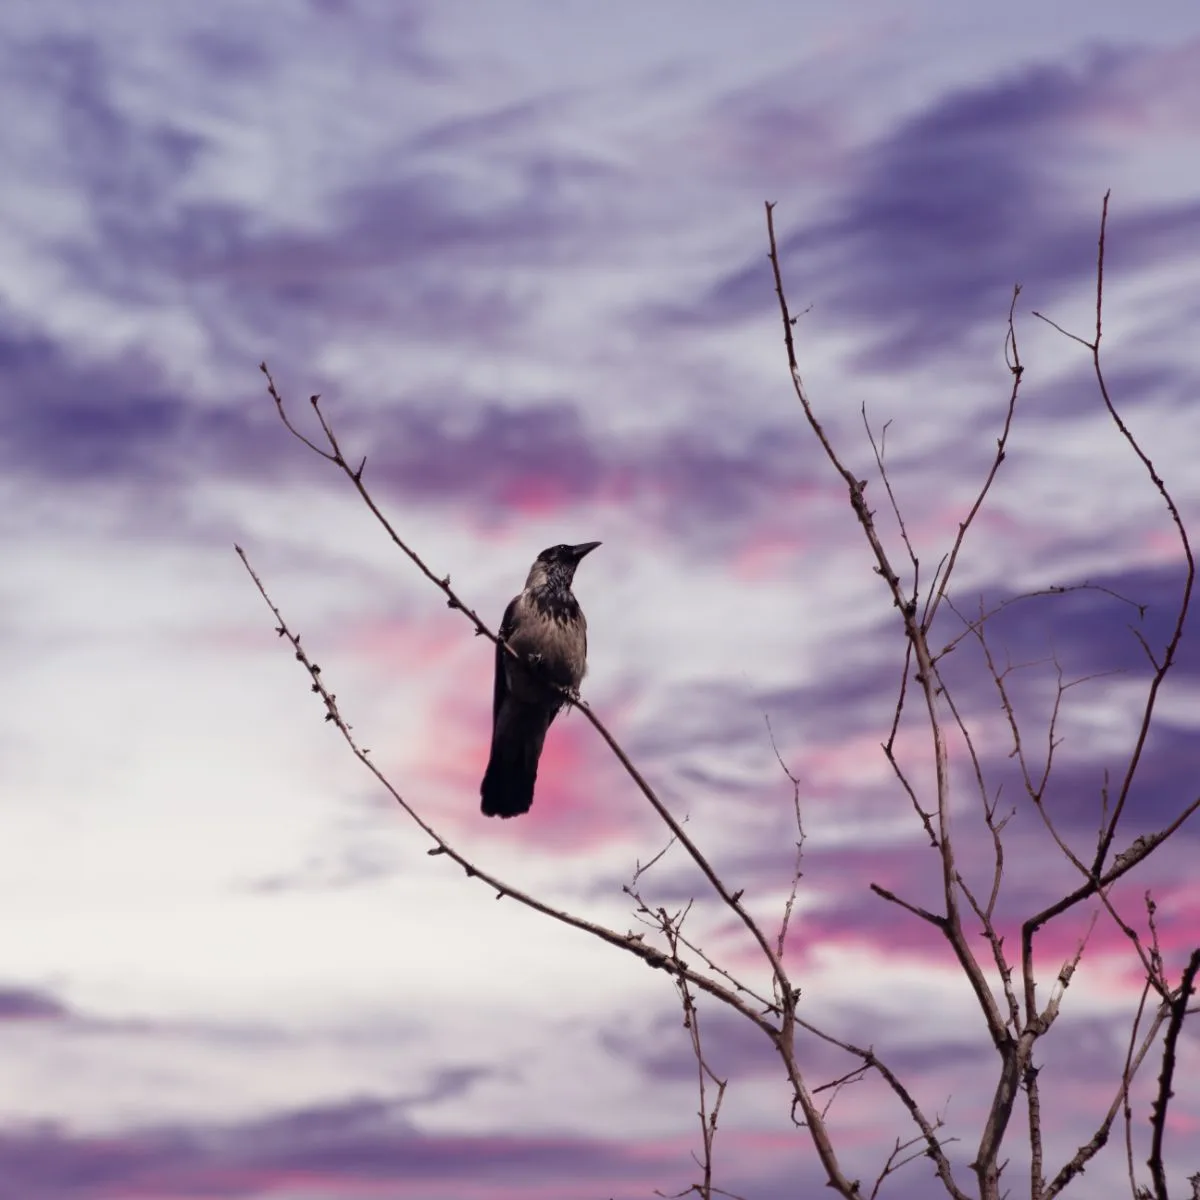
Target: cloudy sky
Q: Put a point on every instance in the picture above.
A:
(520, 250)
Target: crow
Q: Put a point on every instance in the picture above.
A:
(547, 631)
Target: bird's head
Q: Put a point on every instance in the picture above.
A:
(555, 566)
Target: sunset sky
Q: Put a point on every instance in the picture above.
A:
(520, 251)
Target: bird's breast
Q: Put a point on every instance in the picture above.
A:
(552, 633)
(559, 607)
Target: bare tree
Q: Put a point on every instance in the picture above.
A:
(932, 623)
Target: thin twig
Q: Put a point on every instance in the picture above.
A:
(927, 1127)
(1018, 371)
(798, 869)
(970, 626)
(707, 1114)
(1099, 1139)
(879, 449)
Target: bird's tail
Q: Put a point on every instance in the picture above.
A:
(507, 789)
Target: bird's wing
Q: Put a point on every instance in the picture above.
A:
(500, 689)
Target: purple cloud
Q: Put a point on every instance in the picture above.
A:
(358, 1148)
(462, 250)
(949, 209)
(30, 1004)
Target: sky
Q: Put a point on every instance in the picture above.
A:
(520, 252)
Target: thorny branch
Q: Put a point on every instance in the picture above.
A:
(1086, 1152)
(632, 943)
(1178, 1008)
(786, 994)
(732, 900)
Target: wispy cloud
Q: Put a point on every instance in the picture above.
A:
(360, 1148)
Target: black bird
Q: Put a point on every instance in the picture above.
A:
(546, 629)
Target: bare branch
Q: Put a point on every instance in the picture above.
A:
(1138, 850)
(1037, 1178)
(731, 899)
(971, 627)
(704, 1073)
(797, 870)
(902, 1154)
(1017, 370)
(1162, 666)
(986, 1164)
(1178, 1006)
(1099, 1139)
(916, 910)
(878, 448)
(628, 942)
(927, 1127)
(917, 634)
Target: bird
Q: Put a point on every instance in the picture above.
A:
(547, 633)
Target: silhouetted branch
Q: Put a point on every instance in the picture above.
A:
(630, 943)
(786, 993)
(1178, 1006)
(1163, 666)
(964, 908)
(937, 589)
(335, 457)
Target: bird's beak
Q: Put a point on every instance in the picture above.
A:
(583, 548)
